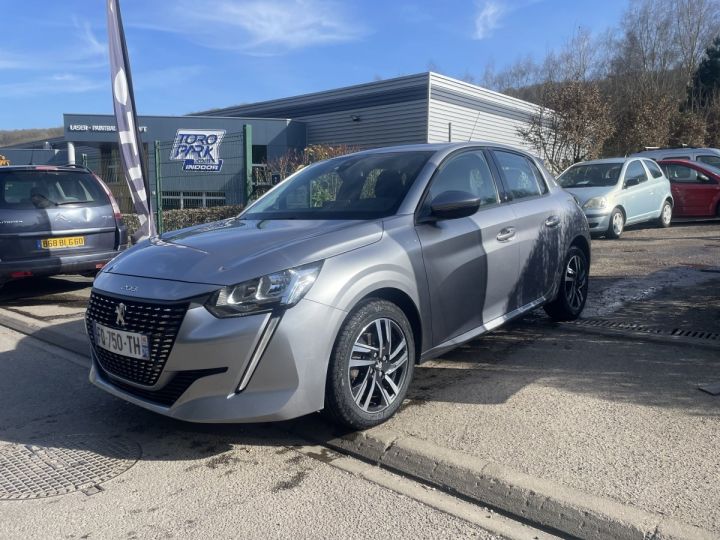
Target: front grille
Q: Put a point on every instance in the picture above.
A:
(160, 322)
(168, 394)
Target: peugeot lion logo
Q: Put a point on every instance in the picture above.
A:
(120, 314)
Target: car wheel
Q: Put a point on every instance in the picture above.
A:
(371, 365)
(665, 215)
(617, 224)
(572, 294)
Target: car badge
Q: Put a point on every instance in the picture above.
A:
(61, 217)
(120, 314)
(129, 288)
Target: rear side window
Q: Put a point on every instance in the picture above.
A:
(681, 174)
(32, 189)
(710, 160)
(521, 175)
(654, 168)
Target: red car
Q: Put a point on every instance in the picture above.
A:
(695, 188)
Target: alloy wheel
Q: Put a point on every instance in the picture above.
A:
(666, 214)
(378, 365)
(618, 221)
(575, 282)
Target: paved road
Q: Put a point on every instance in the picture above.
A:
(190, 480)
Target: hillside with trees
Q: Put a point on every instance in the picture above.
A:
(652, 81)
(18, 136)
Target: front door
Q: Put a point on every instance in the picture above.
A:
(693, 196)
(470, 263)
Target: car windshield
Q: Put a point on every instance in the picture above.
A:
(365, 186)
(591, 175)
(38, 189)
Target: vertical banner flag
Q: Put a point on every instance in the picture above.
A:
(131, 149)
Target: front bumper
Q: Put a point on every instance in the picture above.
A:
(64, 264)
(598, 221)
(280, 358)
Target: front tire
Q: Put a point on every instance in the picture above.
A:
(572, 294)
(665, 215)
(371, 365)
(617, 224)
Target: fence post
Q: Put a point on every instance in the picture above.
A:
(158, 189)
(247, 144)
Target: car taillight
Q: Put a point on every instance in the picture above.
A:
(113, 202)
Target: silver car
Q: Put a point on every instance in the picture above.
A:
(620, 191)
(327, 291)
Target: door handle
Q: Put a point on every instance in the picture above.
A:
(552, 221)
(508, 233)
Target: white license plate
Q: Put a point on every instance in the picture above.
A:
(129, 344)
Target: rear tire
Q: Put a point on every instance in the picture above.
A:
(616, 225)
(665, 215)
(572, 293)
(371, 365)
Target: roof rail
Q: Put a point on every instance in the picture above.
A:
(77, 166)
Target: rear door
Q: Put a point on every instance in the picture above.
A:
(53, 212)
(693, 196)
(538, 226)
(471, 263)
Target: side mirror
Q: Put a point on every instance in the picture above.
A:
(703, 177)
(453, 205)
(630, 182)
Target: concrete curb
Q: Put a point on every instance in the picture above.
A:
(39, 330)
(538, 501)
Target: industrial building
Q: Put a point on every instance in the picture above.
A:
(228, 142)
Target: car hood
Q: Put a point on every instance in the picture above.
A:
(234, 250)
(584, 194)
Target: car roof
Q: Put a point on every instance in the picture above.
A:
(608, 161)
(675, 151)
(74, 168)
(445, 147)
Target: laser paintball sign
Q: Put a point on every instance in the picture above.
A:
(198, 149)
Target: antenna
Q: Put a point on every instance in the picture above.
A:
(474, 126)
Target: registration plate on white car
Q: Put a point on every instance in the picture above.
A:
(121, 342)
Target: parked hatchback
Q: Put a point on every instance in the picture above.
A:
(327, 291)
(695, 188)
(618, 192)
(56, 220)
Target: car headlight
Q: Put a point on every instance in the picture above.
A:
(281, 289)
(596, 203)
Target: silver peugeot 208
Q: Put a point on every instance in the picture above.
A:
(327, 291)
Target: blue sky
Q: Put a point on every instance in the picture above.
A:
(191, 55)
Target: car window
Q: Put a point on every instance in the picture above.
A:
(360, 186)
(681, 174)
(636, 170)
(654, 168)
(467, 172)
(522, 176)
(590, 175)
(710, 160)
(32, 189)
(686, 158)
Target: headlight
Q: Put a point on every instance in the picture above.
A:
(281, 289)
(596, 203)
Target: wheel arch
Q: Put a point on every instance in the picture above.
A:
(408, 307)
(582, 242)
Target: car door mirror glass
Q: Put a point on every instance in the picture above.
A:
(454, 205)
(630, 182)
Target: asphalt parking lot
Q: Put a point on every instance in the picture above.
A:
(609, 408)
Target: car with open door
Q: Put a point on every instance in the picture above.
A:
(695, 188)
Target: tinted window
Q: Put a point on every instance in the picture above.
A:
(31, 189)
(710, 160)
(686, 158)
(522, 176)
(654, 168)
(680, 174)
(635, 171)
(591, 175)
(365, 186)
(467, 172)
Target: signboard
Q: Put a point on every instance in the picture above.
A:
(198, 149)
(99, 128)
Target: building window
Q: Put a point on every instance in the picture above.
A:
(176, 200)
(259, 154)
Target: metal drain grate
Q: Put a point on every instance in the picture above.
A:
(62, 465)
(634, 327)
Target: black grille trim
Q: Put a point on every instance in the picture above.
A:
(168, 394)
(160, 322)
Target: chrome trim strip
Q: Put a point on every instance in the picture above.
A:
(267, 335)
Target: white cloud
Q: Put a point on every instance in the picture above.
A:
(258, 27)
(59, 83)
(487, 18)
